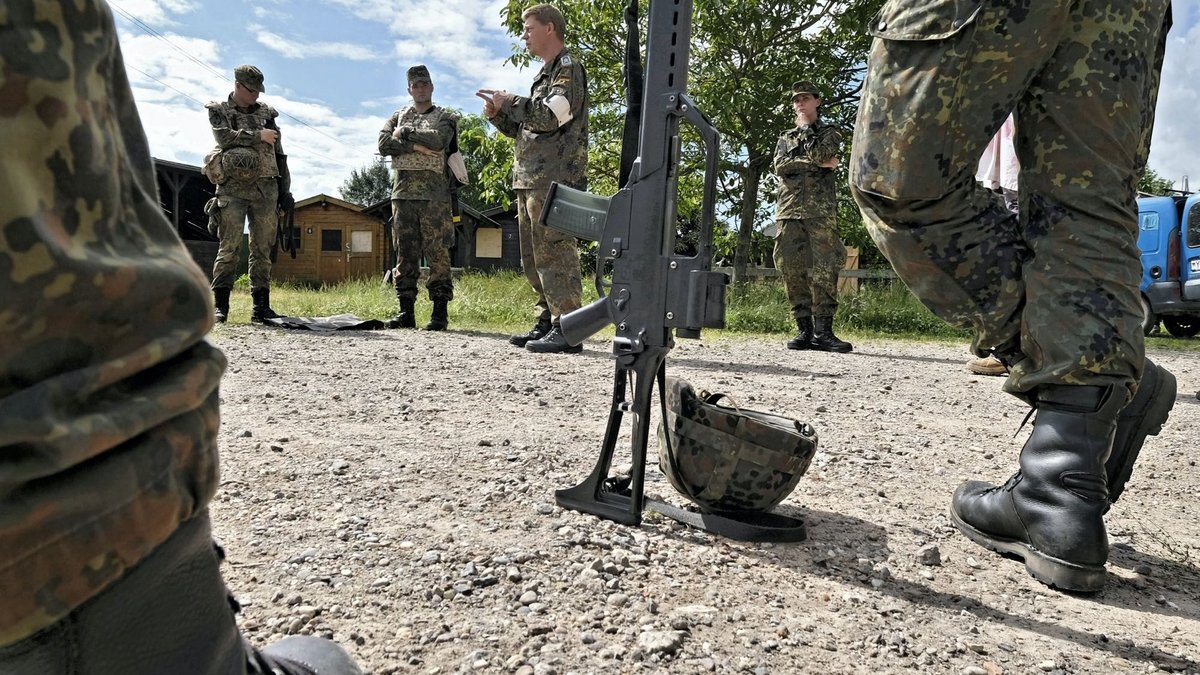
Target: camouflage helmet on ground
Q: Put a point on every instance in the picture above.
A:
(240, 164)
(726, 459)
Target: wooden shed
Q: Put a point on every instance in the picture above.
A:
(337, 241)
(488, 240)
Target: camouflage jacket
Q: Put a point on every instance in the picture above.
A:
(235, 127)
(416, 177)
(806, 189)
(550, 127)
(108, 391)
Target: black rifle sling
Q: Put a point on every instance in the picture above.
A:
(634, 82)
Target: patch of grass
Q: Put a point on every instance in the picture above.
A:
(503, 302)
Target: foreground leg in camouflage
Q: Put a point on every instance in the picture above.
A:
(1054, 294)
(109, 435)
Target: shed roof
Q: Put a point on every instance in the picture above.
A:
(326, 199)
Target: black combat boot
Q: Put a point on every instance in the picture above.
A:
(221, 300)
(440, 319)
(823, 338)
(1143, 416)
(553, 342)
(262, 306)
(538, 332)
(1051, 512)
(406, 317)
(803, 339)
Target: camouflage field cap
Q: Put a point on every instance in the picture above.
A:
(805, 87)
(419, 73)
(249, 77)
(727, 459)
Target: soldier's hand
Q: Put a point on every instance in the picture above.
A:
(286, 201)
(426, 151)
(269, 136)
(831, 163)
(402, 132)
(489, 108)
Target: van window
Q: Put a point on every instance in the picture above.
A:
(1193, 226)
(1149, 221)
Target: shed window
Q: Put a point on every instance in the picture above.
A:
(360, 241)
(331, 240)
(489, 242)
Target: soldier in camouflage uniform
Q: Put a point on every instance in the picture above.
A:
(417, 138)
(808, 251)
(108, 390)
(551, 130)
(1052, 292)
(256, 185)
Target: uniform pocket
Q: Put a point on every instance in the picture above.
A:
(904, 142)
(936, 20)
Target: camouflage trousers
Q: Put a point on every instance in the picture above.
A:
(108, 391)
(810, 254)
(549, 258)
(259, 204)
(422, 228)
(1053, 291)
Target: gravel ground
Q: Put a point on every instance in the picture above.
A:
(394, 491)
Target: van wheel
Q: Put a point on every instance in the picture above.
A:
(1182, 326)
(1149, 318)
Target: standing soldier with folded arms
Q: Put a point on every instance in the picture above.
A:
(1053, 292)
(256, 185)
(808, 249)
(551, 130)
(108, 436)
(417, 138)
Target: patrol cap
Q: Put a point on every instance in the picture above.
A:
(418, 73)
(249, 77)
(805, 87)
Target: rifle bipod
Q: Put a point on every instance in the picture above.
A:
(622, 499)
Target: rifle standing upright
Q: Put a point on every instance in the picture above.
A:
(654, 294)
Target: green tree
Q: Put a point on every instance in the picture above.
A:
(1153, 184)
(368, 185)
(489, 157)
(744, 60)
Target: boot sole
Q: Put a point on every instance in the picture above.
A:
(830, 349)
(567, 350)
(798, 348)
(1060, 574)
(1153, 416)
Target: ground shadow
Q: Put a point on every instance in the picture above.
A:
(809, 557)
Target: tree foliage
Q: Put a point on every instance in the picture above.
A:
(489, 158)
(368, 185)
(1153, 184)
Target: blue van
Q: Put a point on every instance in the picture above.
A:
(1169, 237)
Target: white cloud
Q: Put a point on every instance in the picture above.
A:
(170, 89)
(294, 48)
(1176, 143)
(155, 12)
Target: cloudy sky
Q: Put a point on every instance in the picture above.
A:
(335, 71)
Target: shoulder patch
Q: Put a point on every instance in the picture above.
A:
(566, 60)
